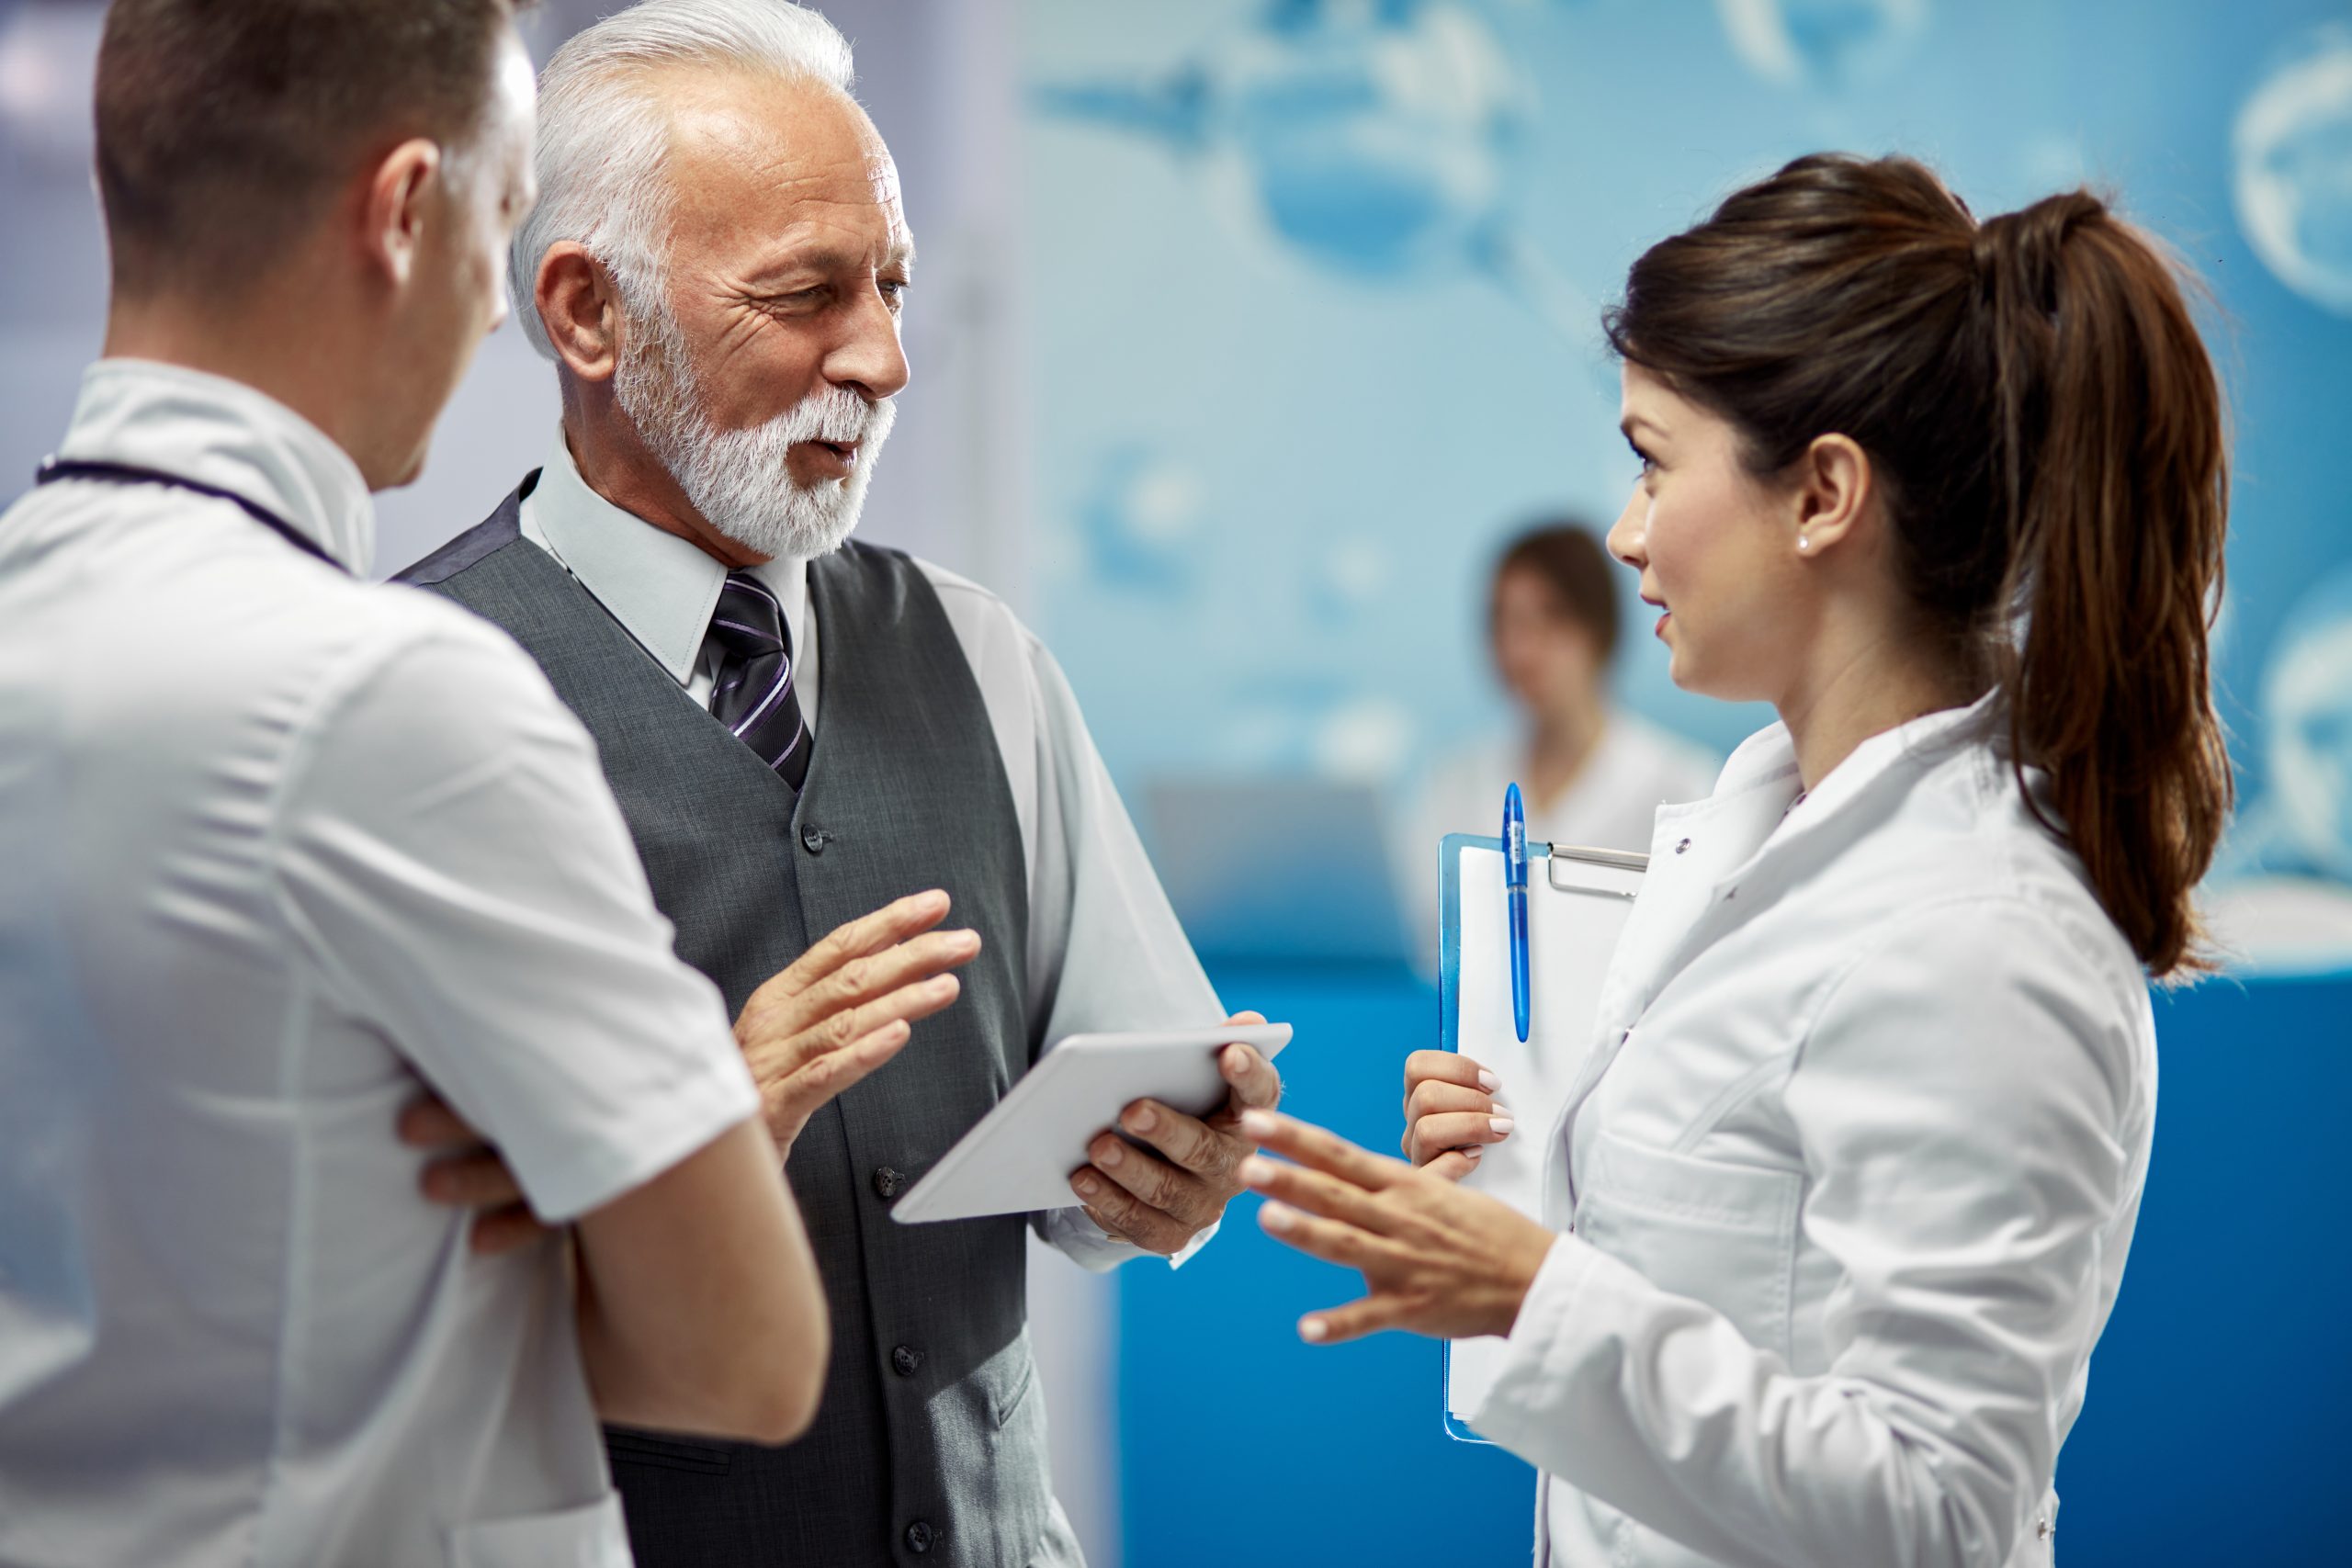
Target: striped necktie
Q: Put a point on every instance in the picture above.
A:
(753, 695)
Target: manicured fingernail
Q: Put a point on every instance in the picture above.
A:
(1111, 1157)
(1501, 1124)
(1473, 1151)
(1255, 1172)
(1276, 1216)
(1488, 1082)
(1257, 1124)
(1313, 1330)
(1142, 1120)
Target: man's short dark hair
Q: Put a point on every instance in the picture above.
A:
(225, 126)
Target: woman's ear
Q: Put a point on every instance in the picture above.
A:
(579, 307)
(1834, 487)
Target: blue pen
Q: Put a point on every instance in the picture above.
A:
(1515, 881)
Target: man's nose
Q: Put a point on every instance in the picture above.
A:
(1628, 537)
(869, 357)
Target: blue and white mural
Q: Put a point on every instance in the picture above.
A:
(1314, 290)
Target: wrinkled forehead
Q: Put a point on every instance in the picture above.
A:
(754, 160)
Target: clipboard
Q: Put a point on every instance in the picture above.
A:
(1577, 902)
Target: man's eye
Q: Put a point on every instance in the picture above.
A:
(893, 290)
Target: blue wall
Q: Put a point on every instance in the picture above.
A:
(1312, 289)
(2213, 1430)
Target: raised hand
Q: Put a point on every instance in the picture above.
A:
(1436, 1258)
(847, 1006)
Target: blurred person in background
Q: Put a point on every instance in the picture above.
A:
(1592, 774)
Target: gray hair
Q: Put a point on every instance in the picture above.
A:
(603, 132)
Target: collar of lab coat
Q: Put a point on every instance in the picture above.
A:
(223, 433)
(1719, 863)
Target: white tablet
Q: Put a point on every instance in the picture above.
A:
(1021, 1156)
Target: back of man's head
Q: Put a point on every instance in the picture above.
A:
(225, 128)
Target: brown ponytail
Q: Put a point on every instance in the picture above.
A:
(2047, 429)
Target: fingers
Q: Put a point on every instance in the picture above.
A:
(1454, 1164)
(1300, 1187)
(1187, 1141)
(1246, 1018)
(869, 934)
(429, 1123)
(1311, 1146)
(773, 1058)
(1432, 1095)
(879, 974)
(504, 1230)
(1433, 1135)
(1448, 1066)
(1155, 1183)
(792, 1098)
(1336, 1325)
(1255, 1084)
(1125, 1216)
(859, 980)
(1334, 1241)
(478, 1181)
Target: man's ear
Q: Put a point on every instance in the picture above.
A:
(579, 307)
(1834, 482)
(392, 216)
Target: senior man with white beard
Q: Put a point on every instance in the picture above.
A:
(716, 265)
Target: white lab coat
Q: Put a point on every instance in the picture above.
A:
(1850, 1178)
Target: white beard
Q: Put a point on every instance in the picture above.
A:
(739, 479)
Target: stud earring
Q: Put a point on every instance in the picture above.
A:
(1803, 542)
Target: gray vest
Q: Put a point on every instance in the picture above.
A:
(930, 1446)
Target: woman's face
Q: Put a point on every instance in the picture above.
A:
(1549, 660)
(1714, 544)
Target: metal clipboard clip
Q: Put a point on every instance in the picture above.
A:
(1557, 855)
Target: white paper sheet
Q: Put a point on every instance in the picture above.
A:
(1570, 935)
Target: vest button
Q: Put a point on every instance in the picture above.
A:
(887, 1182)
(920, 1536)
(906, 1360)
(813, 839)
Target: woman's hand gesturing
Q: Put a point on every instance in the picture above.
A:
(1436, 1260)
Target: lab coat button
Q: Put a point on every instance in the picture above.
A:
(906, 1360)
(887, 1182)
(920, 1536)
(1682, 848)
(2043, 1530)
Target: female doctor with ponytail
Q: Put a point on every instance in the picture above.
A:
(1842, 1200)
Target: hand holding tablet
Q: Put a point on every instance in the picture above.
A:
(1021, 1156)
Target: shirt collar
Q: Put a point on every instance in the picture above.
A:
(223, 433)
(660, 588)
(1763, 775)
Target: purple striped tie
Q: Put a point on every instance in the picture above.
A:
(754, 694)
